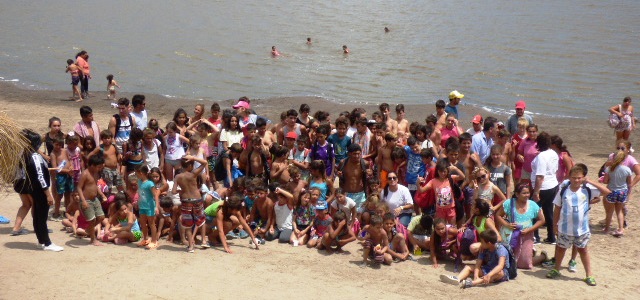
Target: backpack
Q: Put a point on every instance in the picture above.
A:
(118, 121)
(563, 189)
(464, 240)
(513, 265)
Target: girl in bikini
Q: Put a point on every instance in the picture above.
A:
(123, 226)
(225, 216)
(111, 87)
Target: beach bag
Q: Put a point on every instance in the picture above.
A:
(464, 240)
(514, 242)
(613, 121)
(513, 265)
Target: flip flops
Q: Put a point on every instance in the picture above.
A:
(617, 233)
(4, 220)
(590, 281)
(143, 243)
(22, 231)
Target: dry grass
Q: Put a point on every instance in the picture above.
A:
(12, 144)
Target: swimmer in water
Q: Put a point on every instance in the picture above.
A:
(308, 41)
(345, 50)
(274, 52)
(386, 30)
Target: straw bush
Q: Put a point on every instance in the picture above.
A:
(12, 144)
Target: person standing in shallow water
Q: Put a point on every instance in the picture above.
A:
(627, 122)
(82, 60)
(274, 51)
(345, 50)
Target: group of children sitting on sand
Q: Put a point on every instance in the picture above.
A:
(309, 181)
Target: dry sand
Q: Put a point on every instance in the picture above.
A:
(276, 270)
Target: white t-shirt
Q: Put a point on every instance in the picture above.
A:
(426, 144)
(400, 197)
(151, 156)
(141, 119)
(545, 164)
(283, 216)
(231, 137)
(351, 131)
(346, 208)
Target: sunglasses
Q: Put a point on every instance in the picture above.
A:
(621, 148)
(482, 176)
(392, 178)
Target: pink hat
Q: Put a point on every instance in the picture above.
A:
(291, 135)
(477, 119)
(242, 103)
(521, 104)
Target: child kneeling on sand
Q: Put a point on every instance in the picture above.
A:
(491, 266)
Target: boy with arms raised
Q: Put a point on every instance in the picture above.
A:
(571, 210)
(192, 207)
(90, 200)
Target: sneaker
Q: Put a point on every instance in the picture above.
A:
(536, 242)
(573, 266)
(53, 247)
(550, 263)
(243, 234)
(231, 235)
(553, 274)
(450, 279)
(466, 284)
(22, 231)
(547, 241)
(590, 281)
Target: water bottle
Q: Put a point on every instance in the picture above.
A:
(62, 165)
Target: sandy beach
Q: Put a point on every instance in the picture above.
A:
(278, 270)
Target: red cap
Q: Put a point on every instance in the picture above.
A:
(477, 119)
(291, 135)
(521, 104)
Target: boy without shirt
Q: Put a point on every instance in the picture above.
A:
(392, 124)
(352, 180)
(268, 138)
(262, 213)
(90, 197)
(191, 203)
(376, 243)
(385, 162)
(109, 152)
(64, 181)
(256, 166)
(403, 124)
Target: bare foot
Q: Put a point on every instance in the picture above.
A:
(79, 100)
(96, 243)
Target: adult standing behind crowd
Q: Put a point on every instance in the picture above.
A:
(398, 198)
(512, 123)
(139, 111)
(454, 99)
(121, 124)
(87, 126)
(545, 183)
(482, 142)
(36, 182)
(82, 60)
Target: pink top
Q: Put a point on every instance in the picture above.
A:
(529, 150)
(562, 167)
(447, 133)
(81, 129)
(84, 65)
(629, 161)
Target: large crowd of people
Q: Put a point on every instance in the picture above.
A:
(399, 187)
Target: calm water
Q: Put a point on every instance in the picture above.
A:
(563, 57)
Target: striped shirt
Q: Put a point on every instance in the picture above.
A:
(574, 210)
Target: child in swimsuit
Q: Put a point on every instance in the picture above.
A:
(111, 87)
(397, 244)
(75, 79)
(339, 233)
(123, 226)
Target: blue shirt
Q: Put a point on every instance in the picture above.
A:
(481, 145)
(452, 110)
(490, 259)
(146, 200)
(339, 146)
(415, 166)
